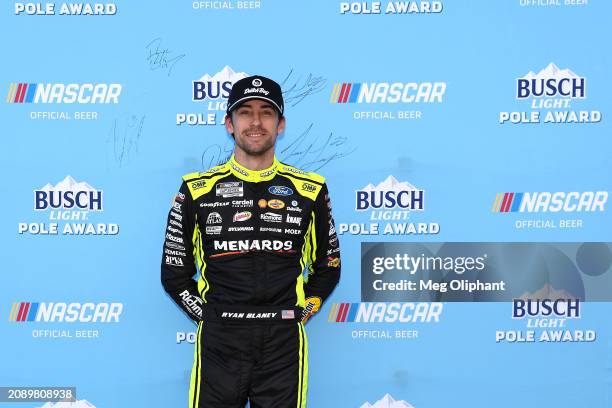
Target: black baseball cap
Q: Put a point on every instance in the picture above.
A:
(255, 87)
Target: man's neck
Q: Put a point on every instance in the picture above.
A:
(254, 162)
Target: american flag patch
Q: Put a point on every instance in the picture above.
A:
(287, 314)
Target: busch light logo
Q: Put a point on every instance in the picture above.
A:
(550, 94)
(213, 90)
(280, 190)
(390, 194)
(387, 401)
(551, 82)
(68, 195)
(549, 316)
(390, 207)
(216, 87)
(75, 404)
(69, 207)
(568, 308)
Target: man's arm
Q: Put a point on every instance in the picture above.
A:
(178, 266)
(324, 269)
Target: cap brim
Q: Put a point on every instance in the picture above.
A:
(243, 99)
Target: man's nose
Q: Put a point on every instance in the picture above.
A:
(256, 118)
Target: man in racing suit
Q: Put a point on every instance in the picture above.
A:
(263, 240)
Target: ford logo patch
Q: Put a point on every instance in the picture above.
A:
(280, 190)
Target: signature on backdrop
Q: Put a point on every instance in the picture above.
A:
(309, 150)
(124, 137)
(295, 90)
(160, 57)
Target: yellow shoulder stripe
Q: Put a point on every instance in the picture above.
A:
(201, 183)
(305, 188)
(307, 184)
(317, 178)
(192, 176)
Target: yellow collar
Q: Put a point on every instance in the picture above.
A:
(253, 175)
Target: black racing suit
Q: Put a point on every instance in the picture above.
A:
(251, 235)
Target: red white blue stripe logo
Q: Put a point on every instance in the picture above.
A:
(345, 92)
(507, 202)
(343, 312)
(21, 92)
(23, 311)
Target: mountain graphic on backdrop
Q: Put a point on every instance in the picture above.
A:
(68, 184)
(387, 402)
(390, 184)
(551, 71)
(63, 404)
(547, 292)
(227, 74)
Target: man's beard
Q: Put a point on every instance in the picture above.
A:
(255, 150)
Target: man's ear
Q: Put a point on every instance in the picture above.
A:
(281, 125)
(229, 126)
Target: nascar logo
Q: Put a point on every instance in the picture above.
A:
(65, 312)
(385, 92)
(61, 93)
(589, 201)
(385, 312)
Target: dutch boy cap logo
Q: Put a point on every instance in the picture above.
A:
(255, 87)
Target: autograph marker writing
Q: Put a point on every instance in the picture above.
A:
(161, 58)
(308, 151)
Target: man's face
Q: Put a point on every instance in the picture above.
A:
(255, 125)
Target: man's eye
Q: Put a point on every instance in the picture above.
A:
(243, 112)
(267, 113)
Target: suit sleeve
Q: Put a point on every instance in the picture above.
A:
(324, 272)
(178, 266)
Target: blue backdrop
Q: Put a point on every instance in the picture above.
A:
(495, 111)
